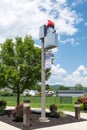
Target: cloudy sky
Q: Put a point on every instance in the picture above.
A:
(21, 17)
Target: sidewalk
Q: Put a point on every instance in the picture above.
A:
(71, 126)
(4, 126)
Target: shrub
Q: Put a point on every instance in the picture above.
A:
(85, 103)
(53, 111)
(53, 107)
(17, 113)
(81, 106)
(2, 103)
(83, 100)
(80, 99)
(2, 106)
(61, 114)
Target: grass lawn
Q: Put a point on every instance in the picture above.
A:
(36, 102)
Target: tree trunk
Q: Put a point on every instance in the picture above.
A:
(18, 95)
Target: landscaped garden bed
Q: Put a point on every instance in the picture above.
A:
(35, 123)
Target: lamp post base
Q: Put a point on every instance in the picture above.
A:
(43, 119)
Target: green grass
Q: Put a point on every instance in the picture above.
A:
(35, 102)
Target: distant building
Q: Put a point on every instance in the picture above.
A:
(66, 95)
(72, 93)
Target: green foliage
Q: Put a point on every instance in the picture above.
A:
(63, 88)
(2, 76)
(20, 64)
(54, 114)
(85, 105)
(53, 107)
(2, 106)
(79, 87)
(37, 87)
(81, 106)
(53, 111)
(2, 103)
(48, 87)
(17, 113)
(83, 100)
(80, 99)
(61, 114)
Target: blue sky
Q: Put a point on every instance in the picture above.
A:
(21, 17)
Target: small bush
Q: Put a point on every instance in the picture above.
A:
(53, 107)
(80, 99)
(61, 114)
(81, 106)
(83, 100)
(85, 103)
(2, 103)
(17, 113)
(53, 111)
(2, 106)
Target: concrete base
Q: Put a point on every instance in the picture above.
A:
(41, 119)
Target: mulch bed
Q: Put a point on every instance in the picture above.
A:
(35, 123)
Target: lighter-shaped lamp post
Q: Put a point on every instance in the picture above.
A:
(26, 113)
(46, 36)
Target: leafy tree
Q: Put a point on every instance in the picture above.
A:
(21, 63)
(48, 87)
(37, 87)
(62, 87)
(79, 87)
(2, 76)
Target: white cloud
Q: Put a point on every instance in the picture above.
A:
(36, 45)
(57, 70)
(60, 76)
(71, 41)
(82, 69)
(78, 76)
(62, 1)
(76, 2)
(57, 73)
(21, 17)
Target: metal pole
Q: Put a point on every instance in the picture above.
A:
(43, 100)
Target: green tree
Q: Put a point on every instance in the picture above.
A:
(48, 87)
(21, 62)
(62, 87)
(79, 87)
(2, 76)
(37, 87)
